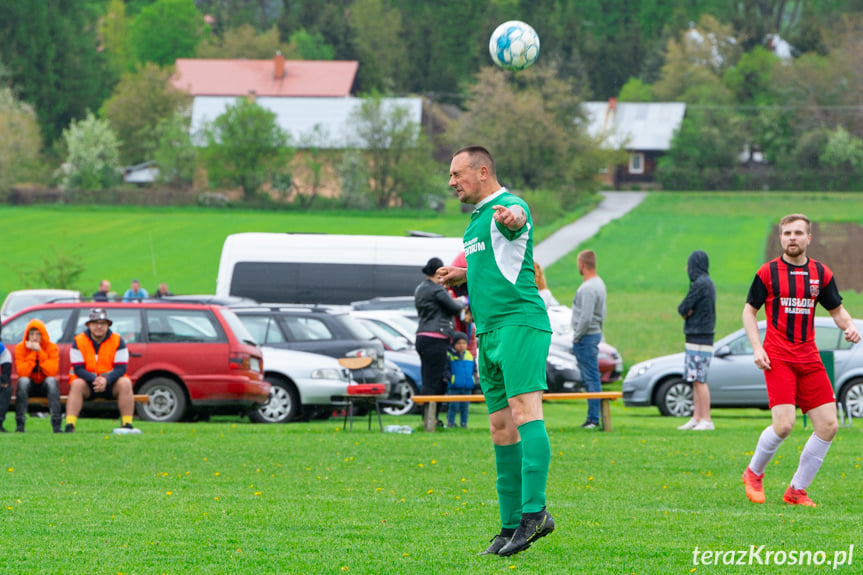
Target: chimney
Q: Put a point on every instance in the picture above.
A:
(610, 112)
(612, 103)
(251, 96)
(278, 66)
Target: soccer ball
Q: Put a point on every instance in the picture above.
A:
(514, 45)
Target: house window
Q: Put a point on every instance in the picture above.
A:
(636, 163)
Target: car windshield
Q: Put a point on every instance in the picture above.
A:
(357, 329)
(17, 302)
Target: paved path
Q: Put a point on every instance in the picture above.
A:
(566, 239)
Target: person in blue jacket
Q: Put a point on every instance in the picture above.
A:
(462, 368)
(5, 383)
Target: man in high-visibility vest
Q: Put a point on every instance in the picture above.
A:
(99, 358)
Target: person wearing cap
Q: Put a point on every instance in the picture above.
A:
(37, 361)
(435, 311)
(99, 358)
(135, 292)
(462, 369)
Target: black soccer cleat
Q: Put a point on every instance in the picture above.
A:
(532, 527)
(128, 426)
(498, 542)
(70, 428)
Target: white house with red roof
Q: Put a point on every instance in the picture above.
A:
(312, 99)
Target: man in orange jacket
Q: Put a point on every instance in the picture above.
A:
(37, 361)
(99, 358)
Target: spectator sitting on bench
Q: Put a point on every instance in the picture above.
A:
(99, 358)
(37, 361)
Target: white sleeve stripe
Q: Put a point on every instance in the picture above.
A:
(122, 356)
(75, 356)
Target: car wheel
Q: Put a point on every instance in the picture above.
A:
(852, 398)
(167, 401)
(674, 397)
(283, 405)
(406, 401)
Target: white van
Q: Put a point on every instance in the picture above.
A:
(326, 269)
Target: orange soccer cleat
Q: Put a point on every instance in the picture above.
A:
(754, 487)
(797, 497)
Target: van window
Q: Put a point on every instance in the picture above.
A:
(291, 282)
(55, 320)
(182, 326)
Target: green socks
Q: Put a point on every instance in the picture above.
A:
(535, 463)
(509, 462)
(522, 473)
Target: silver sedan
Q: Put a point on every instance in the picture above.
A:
(734, 379)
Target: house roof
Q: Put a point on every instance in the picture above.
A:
(301, 78)
(318, 122)
(634, 125)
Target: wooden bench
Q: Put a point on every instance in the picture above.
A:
(605, 397)
(139, 398)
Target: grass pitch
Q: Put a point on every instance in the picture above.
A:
(230, 496)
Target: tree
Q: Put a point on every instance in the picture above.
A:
(401, 168)
(245, 42)
(93, 159)
(529, 122)
(694, 64)
(167, 30)
(245, 146)
(377, 30)
(21, 141)
(312, 46)
(636, 91)
(843, 151)
(114, 34)
(140, 101)
(51, 50)
(175, 154)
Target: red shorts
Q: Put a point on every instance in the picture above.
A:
(805, 385)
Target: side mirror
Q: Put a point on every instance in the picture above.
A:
(722, 351)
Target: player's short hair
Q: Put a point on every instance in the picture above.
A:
(479, 157)
(794, 218)
(588, 259)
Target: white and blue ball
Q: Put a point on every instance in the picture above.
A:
(514, 45)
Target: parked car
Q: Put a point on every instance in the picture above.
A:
(302, 385)
(733, 378)
(317, 329)
(17, 300)
(191, 359)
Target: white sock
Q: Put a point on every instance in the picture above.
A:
(768, 443)
(810, 462)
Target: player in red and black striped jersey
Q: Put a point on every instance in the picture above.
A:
(788, 288)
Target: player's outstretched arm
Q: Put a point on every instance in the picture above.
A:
(750, 324)
(512, 217)
(844, 322)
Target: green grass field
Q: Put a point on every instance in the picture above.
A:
(230, 496)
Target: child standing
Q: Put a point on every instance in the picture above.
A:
(462, 376)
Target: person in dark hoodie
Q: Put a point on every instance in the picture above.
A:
(698, 309)
(5, 383)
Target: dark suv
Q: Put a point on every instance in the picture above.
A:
(191, 359)
(315, 329)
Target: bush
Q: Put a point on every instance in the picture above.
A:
(544, 206)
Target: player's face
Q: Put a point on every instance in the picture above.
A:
(34, 335)
(794, 238)
(465, 179)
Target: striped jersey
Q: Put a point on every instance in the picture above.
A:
(789, 294)
(500, 277)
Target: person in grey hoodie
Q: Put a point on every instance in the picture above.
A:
(698, 309)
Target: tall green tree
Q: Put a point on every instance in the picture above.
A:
(377, 30)
(140, 101)
(167, 30)
(245, 147)
(245, 42)
(114, 34)
(21, 143)
(51, 50)
(401, 168)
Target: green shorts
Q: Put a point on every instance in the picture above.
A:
(511, 361)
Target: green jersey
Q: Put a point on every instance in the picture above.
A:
(500, 276)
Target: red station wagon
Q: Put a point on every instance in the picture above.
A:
(191, 359)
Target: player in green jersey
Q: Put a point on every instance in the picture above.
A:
(514, 334)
